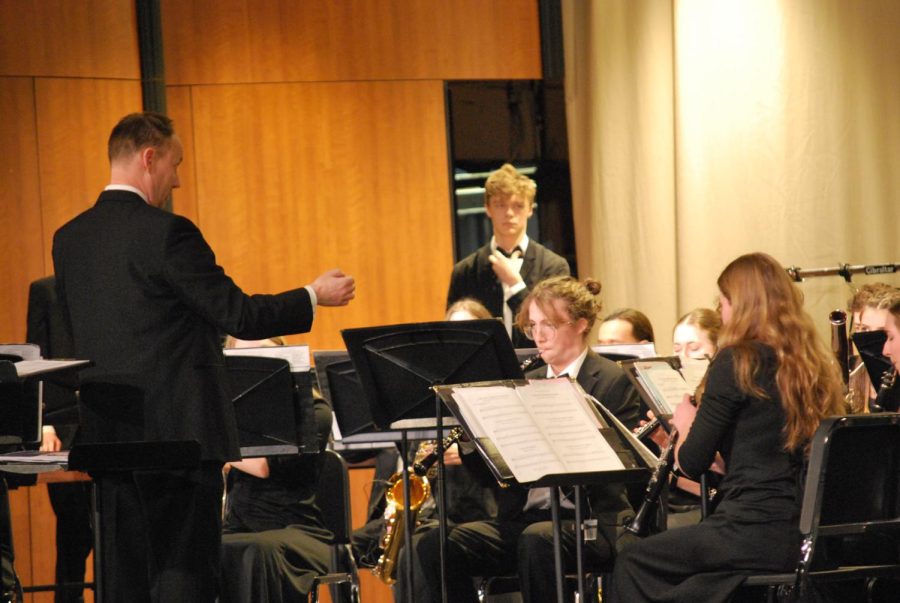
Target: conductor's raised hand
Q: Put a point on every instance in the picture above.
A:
(334, 288)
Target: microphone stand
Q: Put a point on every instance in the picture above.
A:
(845, 271)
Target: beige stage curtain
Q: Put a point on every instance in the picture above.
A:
(703, 129)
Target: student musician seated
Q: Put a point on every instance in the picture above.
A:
(695, 335)
(625, 325)
(274, 541)
(467, 497)
(766, 391)
(557, 315)
(892, 328)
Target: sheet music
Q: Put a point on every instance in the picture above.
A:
(540, 429)
(693, 370)
(30, 368)
(36, 457)
(637, 350)
(666, 385)
(296, 355)
(25, 351)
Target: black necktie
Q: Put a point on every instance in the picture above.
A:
(516, 251)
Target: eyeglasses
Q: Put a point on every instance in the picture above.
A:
(547, 328)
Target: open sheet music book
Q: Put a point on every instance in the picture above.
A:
(31, 368)
(296, 355)
(663, 382)
(25, 351)
(531, 431)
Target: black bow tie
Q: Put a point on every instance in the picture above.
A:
(516, 251)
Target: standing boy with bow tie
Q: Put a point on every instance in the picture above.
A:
(501, 273)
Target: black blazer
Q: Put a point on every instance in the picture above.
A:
(147, 303)
(474, 277)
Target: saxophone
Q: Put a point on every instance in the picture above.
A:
(394, 534)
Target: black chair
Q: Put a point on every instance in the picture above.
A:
(850, 519)
(333, 498)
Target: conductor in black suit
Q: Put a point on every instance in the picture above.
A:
(501, 273)
(147, 304)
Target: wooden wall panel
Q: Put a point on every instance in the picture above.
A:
(184, 199)
(20, 228)
(293, 179)
(239, 41)
(74, 118)
(61, 38)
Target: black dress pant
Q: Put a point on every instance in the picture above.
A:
(161, 535)
(522, 547)
(71, 504)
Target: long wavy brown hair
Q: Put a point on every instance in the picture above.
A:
(767, 308)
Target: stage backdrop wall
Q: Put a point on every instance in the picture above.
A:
(314, 138)
(703, 129)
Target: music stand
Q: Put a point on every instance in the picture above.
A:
(22, 373)
(399, 364)
(870, 345)
(339, 385)
(625, 463)
(262, 391)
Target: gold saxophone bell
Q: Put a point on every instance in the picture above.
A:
(394, 535)
(395, 521)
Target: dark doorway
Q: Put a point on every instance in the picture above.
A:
(522, 122)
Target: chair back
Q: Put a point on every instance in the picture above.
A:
(852, 497)
(333, 499)
(333, 496)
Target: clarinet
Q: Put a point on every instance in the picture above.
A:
(532, 362)
(840, 346)
(640, 525)
(887, 384)
(646, 429)
(422, 467)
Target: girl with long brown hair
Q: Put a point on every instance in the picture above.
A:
(771, 383)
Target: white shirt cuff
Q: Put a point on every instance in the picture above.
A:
(312, 298)
(511, 291)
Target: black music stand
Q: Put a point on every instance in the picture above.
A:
(340, 386)
(20, 407)
(265, 407)
(116, 458)
(398, 365)
(20, 412)
(870, 345)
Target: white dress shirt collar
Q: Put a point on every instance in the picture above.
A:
(129, 188)
(571, 370)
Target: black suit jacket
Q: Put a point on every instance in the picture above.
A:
(147, 303)
(474, 277)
